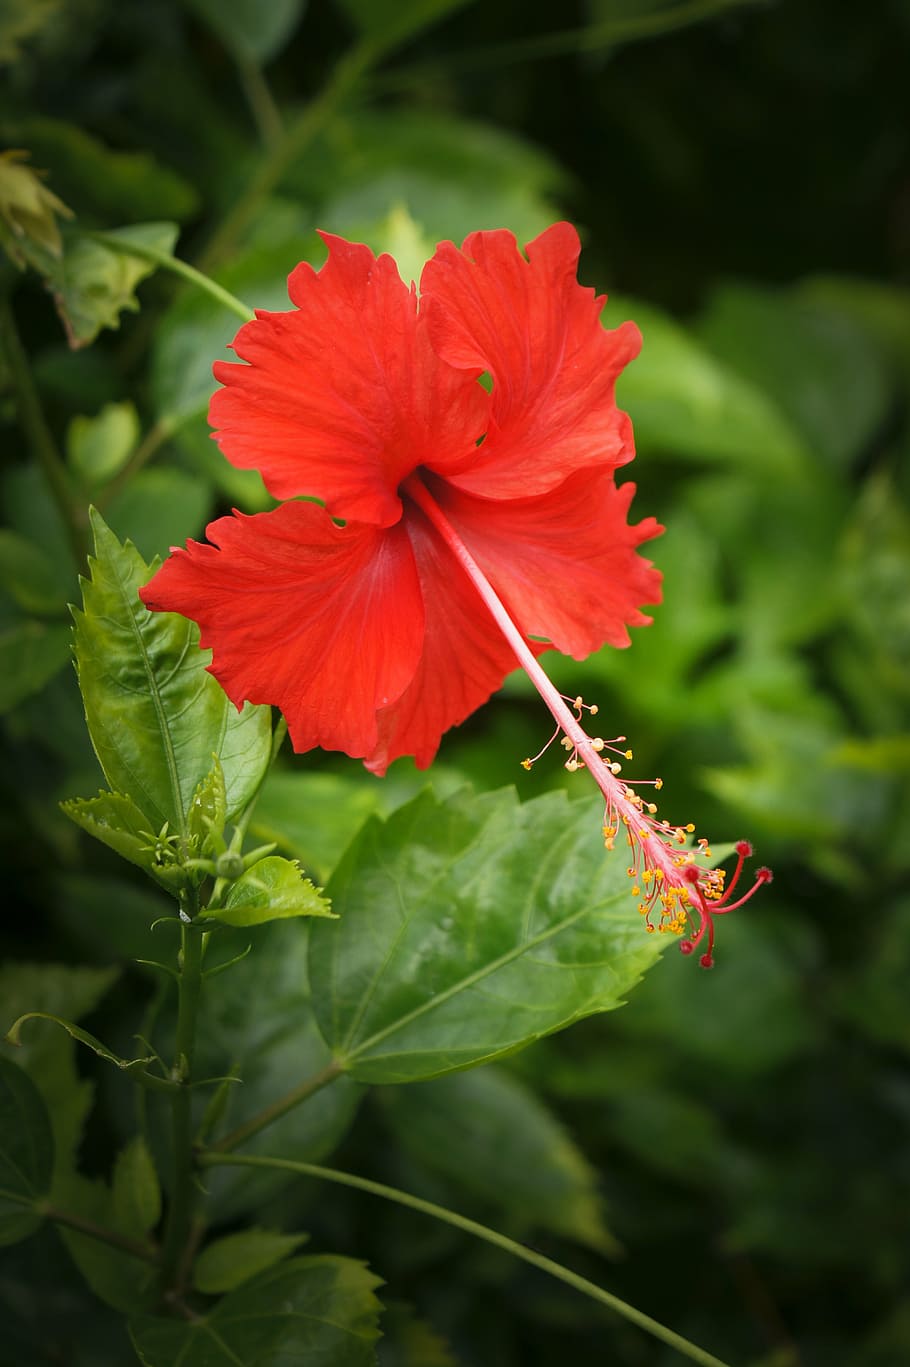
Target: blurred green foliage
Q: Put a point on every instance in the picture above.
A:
(740, 173)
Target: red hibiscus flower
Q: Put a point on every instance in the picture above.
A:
(461, 527)
(365, 633)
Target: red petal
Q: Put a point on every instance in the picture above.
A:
(533, 328)
(565, 562)
(464, 659)
(343, 395)
(325, 622)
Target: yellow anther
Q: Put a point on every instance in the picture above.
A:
(526, 763)
(658, 784)
(652, 807)
(690, 828)
(649, 928)
(572, 765)
(628, 754)
(597, 744)
(615, 767)
(636, 891)
(593, 709)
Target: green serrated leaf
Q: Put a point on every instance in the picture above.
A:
(230, 1261)
(252, 31)
(459, 924)
(95, 282)
(273, 889)
(31, 653)
(26, 1153)
(154, 715)
(490, 1134)
(319, 1309)
(117, 822)
(135, 1190)
(99, 447)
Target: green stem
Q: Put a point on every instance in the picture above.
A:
(34, 425)
(181, 1208)
(160, 432)
(564, 42)
(490, 1236)
(134, 1247)
(177, 267)
(287, 149)
(278, 1108)
(263, 108)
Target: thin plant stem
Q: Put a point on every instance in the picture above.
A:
(159, 433)
(177, 267)
(490, 1236)
(563, 42)
(309, 1087)
(262, 106)
(180, 1219)
(40, 438)
(286, 150)
(136, 1249)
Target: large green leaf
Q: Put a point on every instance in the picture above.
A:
(154, 714)
(319, 1310)
(26, 1153)
(488, 1132)
(684, 401)
(468, 929)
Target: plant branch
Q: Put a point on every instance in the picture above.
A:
(167, 262)
(262, 106)
(283, 152)
(136, 1249)
(278, 1108)
(180, 1220)
(40, 438)
(490, 1236)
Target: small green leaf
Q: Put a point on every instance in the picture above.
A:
(95, 282)
(117, 822)
(230, 1261)
(468, 929)
(31, 653)
(26, 1153)
(28, 226)
(683, 401)
(135, 1189)
(314, 1310)
(117, 1277)
(136, 1066)
(253, 32)
(99, 447)
(28, 575)
(155, 716)
(208, 808)
(487, 1132)
(274, 888)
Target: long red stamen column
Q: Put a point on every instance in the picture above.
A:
(668, 880)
